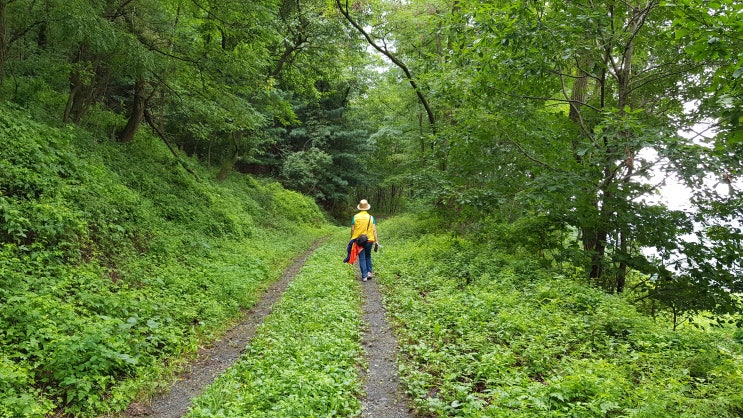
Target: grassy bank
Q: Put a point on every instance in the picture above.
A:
(489, 334)
(115, 263)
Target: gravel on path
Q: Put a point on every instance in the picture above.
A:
(384, 398)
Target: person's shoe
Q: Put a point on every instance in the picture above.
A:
(370, 276)
(363, 279)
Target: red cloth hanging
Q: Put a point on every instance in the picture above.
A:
(355, 250)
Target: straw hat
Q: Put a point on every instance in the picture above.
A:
(363, 205)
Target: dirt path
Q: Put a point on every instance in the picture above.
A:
(383, 395)
(214, 360)
(383, 398)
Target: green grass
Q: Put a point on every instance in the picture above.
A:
(115, 263)
(488, 334)
(303, 360)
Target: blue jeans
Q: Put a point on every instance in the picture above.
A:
(365, 259)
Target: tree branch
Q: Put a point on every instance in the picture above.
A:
(549, 99)
(148, 117)
(529, 156)
(384, 51)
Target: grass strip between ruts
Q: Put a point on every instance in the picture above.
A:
(303, 361)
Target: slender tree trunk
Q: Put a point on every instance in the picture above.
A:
(76, 88)
(136, 113)
(594, 238)
(624, 72)
(229, 163)
(594, 242)
(577, 98)
(3, 38)
(624, 75)
(622, 273)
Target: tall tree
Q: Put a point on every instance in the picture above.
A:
(608, 81)
(571, 111)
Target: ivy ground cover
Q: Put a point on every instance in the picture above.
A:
(115, 264)
(303, 361)
(488, 334)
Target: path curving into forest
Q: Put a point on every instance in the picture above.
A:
(384, 397)
(214, 360)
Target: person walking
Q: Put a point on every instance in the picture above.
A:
(364, 233)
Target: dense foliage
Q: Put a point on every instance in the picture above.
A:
(113, 261)
(567, 119)
(574, 115)
(258, 86)
(488, 333)
(547, 129)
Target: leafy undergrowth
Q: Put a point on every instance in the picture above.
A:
(487, 334)
(303, 360)
(115, 263)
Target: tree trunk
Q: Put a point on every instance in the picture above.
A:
(229, 163)
(622, 273)
(136, 113)
(3, 38)
(578, 95)
(594, 242)
(80, 87)
(89, 79)
(577, 98)
(594, 238)
(72, 109)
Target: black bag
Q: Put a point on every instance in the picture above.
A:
(362, 240)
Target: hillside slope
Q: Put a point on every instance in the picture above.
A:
(115, 262)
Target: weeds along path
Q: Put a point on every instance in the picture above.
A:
(304, 359)
(215, 359)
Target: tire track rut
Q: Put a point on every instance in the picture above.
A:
(384, 398)
(212, 361)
